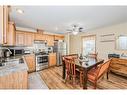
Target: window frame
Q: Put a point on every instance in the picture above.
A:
(117, 47)
(88, 36)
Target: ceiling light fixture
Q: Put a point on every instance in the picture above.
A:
(75, 29)
(75, 32)
(20, 11)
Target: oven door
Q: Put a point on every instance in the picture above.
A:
(41, 60)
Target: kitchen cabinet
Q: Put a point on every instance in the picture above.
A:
(52, 59)
(11, 37)
(39, 36)
(16, 80)
(29, 39)
(4, 17)
(20, 38)
(119, 66)
(30, 61)
(50, 40)
(59, 37)
(24, 38)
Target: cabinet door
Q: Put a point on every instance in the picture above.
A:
(1, 25)
(59, 37)
(29, 38)
(30, 61)
(6, 19)
(52, 59)
(50, 40)
(11, 38)
(19, 38)
(39, 36)
(14, 80)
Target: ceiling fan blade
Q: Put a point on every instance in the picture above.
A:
(80, 29)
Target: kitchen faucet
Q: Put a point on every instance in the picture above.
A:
(9, 50)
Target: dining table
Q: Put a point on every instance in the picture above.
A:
(84, 65)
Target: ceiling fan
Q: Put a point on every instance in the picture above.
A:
(75, 29)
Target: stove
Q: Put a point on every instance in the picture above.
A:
(41, 61)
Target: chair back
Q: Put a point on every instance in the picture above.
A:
(93, 55)
(69, 56)
(103, 68)
(70, 66)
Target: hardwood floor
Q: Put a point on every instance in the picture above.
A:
(53, 79)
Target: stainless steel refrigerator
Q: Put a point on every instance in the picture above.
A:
(60, 49)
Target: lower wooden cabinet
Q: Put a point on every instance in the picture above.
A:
(30, 61)
(52, 59)
(16, 80)
(119, 66)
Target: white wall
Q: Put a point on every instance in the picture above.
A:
(67, 40)
(103, 48)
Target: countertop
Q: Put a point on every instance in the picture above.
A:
(123, 57)
(12, 65)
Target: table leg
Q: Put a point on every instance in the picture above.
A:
(108, 74)
(85, 80)
(64, 74)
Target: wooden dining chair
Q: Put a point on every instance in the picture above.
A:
(70, 70)
(96, 73)
(69, 56)
(78, 71)
(63, 62)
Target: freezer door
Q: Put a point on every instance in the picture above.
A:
(60, 48)
(59, 57)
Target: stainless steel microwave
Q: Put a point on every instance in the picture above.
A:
(17, 51)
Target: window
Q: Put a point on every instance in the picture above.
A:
(89, 44)
(122, 43)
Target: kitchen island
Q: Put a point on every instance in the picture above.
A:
(13, 74)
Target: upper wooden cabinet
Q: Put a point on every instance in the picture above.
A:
(20, 38)
(47, 37)
(24, 38)
(11, 37)
(4, 17)
(29, 39)
(1, 25)
(50, 40)
(59, 37)
(39, 36)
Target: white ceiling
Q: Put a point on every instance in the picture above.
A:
(57, 19)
